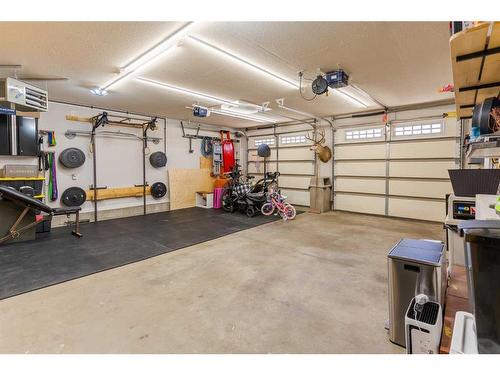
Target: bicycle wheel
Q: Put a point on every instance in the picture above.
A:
(227, 201)
(267, 209)
(290, 211)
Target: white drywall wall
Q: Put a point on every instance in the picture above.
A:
(119, 161)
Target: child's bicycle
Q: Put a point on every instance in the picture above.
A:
(277, 202)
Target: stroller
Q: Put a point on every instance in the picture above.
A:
(242, 195)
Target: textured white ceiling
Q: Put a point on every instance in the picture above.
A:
(398, 63)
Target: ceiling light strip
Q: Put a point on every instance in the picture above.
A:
(147, 57)
(244, 117)
(185, 91)
(350, 98)
(241, 60)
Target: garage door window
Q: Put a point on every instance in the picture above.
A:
(363, 134)
(418, 129)
(293, 139)
(264, 141)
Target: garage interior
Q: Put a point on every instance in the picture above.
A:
(250, 187)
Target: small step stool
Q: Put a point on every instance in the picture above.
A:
(204, 199)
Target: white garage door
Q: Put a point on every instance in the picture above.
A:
(291, 156)
(397, 170)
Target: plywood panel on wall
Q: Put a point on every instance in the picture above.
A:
(184, 183)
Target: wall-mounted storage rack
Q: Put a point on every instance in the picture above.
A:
(475, 60)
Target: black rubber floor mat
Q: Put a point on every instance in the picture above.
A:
(61, 257)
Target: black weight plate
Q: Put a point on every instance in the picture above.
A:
(72, 157)
(158, 190)
(27, 190)
(73, 197)
(158, 159)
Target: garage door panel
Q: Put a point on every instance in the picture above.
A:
(297, 197)
(429, 189)
(360, 203)
(360, 168)
(365, 151)
(422, 169)
(252, 167)
(268, 139)
(306, 168)
(431, 149)
(340, 136)
(360, 185)
(417, 209)
(253, 155)
(297, 182)
(296, 153)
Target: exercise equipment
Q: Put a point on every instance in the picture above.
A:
(72, 157)
(20, 200)
(123, 192)
(158, 159)
(27, 190)
(264, 151)
(52, 189)
(228, 159)
(73, 196)
(158, 190)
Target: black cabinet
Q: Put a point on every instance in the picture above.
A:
(5, 134)
(27, 136)
(25, 140)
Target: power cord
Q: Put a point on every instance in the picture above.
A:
(300, 89)
(418, 308)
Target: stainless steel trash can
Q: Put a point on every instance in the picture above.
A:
(482, 259)
(415, 266)
(320, 190)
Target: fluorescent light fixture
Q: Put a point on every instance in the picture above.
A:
(356, 96)
(281, 105)
(244, 117)
(148, 56)
(186, 91)
(243, 61)
(99, 92)
(306, 114)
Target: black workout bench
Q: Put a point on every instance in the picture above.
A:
(32, 204)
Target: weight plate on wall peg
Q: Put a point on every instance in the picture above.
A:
(158, 190)
(158, 159)
(73, 197)
(72, 157)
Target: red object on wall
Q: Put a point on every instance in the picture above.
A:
(227, 153)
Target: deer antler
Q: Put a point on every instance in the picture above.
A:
(322, 140)
(307, 137)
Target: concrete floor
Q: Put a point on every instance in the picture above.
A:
(317, 284)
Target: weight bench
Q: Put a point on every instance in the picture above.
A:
(32, 204)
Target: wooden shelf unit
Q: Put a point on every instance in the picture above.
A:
(475, 60)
